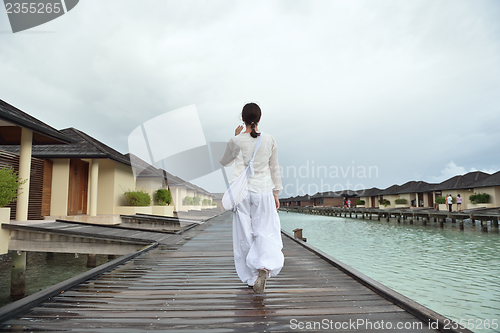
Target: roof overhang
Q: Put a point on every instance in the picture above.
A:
(10, 132)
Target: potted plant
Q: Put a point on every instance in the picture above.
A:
(187, 201)
(137, 198)
(9, 186)
(479, 200)
(163, 197)
(400, 203)
(441, 202)
(162, 203)
(384, 202)
(135, 202)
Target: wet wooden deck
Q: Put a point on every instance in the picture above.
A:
(194, 287)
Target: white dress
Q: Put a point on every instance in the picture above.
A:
(256, 226)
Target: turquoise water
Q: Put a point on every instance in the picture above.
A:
(455, 273)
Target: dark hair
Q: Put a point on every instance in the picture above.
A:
(251, 116)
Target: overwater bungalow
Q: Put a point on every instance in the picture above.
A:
(460, 184)
(370, 197)
(387, 196)
(413, 194)
(297, 201)
(328, 199)
(489, 185)
(18, 128)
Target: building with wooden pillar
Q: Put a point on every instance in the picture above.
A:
(460, 184)
(87, 176)
(370, 197)
(19, 129)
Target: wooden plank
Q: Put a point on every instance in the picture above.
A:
(46, 187)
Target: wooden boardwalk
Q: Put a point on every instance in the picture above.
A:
(78, 237)
(192, 286)
(426, 215)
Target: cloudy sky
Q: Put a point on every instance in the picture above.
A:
(394, 90)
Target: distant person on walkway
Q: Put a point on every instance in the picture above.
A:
(257, 240)
(349, 203)
(459, 203)
(450, 202)
(345, 202)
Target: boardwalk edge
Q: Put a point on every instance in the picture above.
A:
(25, 304)
(417, 309)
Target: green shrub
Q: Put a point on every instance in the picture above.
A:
(188, 201)
(137, 198)
(440, 200)
(214, 203)
(196, 200)
(9, 184)
(384, 202)
(207, 202)
(163, 197)
(360, 202)
(401, 201)
(479, 198)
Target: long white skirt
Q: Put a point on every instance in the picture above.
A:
(257, 240)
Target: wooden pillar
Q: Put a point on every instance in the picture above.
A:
(461, 224)
(484, 226)
(494, 222)
(441, 223)
(399, 218)
(17, 274)
(94, 173)
(388, 216)
(91, 260)
(24, 174)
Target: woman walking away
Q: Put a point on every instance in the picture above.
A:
(256, 226)
(459, 203)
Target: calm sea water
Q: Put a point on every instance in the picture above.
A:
(42, 273)
(455, 273)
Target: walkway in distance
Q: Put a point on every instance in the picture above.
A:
(193, 287)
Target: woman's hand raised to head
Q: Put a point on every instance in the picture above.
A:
(238, 130)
